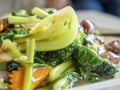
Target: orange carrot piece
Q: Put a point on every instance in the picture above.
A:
(38, 75)
(16, 79)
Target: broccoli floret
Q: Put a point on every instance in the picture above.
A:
(105, 69)
(56, 57)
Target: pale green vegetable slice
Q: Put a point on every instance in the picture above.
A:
(55, 31)
(59, 22)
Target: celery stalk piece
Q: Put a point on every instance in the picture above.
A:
(12, 49)
(55, 73)
(22, 20)
(30, 50)
(39, 12)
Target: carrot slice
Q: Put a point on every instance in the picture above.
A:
(16, 79)
(38, 76)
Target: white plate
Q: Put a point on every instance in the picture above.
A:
(102, 85)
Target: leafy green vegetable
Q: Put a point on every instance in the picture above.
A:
(93, 77)
(85, 60)
(12, 65)
(91, 66)
(106, 69)
(86, 57)
(11, 33)
(56, 57)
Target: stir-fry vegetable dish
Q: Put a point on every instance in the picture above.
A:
(46, 49)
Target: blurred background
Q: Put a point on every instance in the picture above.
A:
(14, 5)
(108, 6)
(104, 13)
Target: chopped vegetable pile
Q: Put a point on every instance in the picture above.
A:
(46, 49)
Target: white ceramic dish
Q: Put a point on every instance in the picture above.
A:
(101, 85)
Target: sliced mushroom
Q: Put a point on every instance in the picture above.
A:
(109, 55)
(88, 26)
(4, 56)
(4, 75)
(114, 46)
(3, 25)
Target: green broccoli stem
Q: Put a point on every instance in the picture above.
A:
(22, 20)
(58, 70)
(30, 50)
(12, 49)
(39, 12)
